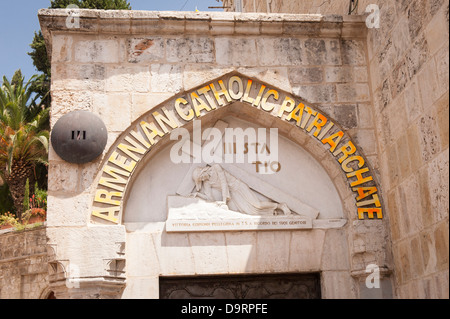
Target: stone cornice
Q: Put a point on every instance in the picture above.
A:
(131, 22)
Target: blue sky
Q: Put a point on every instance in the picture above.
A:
(18, 21)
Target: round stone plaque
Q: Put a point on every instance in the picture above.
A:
(79, 137)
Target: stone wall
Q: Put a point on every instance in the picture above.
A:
(409, 79)
(409, 59)
(23, 264)
(123, 65)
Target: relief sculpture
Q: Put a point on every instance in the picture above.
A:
(234, 192)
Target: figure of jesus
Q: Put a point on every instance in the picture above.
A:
(233, 191)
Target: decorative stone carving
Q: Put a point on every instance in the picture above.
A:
(234, 191)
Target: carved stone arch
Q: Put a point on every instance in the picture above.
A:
(248, 98)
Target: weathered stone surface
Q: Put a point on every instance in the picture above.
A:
(193, 50)
(145, 50)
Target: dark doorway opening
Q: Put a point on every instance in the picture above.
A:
(280, 286)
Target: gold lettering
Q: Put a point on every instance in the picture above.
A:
(360, 160)
(121, 161)
(287, 106)
(199, 104)
(204, 91)
(325, 131)
(346, 150)
(168, 119)
(259, 97)
(375, 200)
(264, 104)
(246, 98)
(359, 178)
(309, 112)
(151, 131)
(105, 197)
(297, 114)
(108, 214)
(240, 93)
(370, 212)
(116, 178)
(222, 92)
(364, 192)
(137, 135)
(333, 140)
(319, 122)
(181, 112)
(127, 149)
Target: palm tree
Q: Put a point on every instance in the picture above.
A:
(23, 139)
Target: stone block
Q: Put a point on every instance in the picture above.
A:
(441, 243)
(417, 56)
(428, 252)
(236, 52)
(114, 109)
(141, 288)
(62, 49)
(174, 254)
(306, 75)
(353, 52)
(241, 251)
(417, 13)
(272, 251)
(394, 212)
(322, 52)
(357, 92)
(436, 31)
(128, 79)
(84, 77)
(338, 285)
(97, 51)
(343, 74)
(306, 251)
(192, 50)
(442, 67)
(416, 255)
(198, 74)
(64, 102)
(430, 143)
(280, 51)
(144, 102)
(166, 78)
(68, 210)
(145, 50)
(276, 77)
(63, 177)
(413, 101)
(346, 116)
(335, 251)
(210, 249)
(365, 118)
(141, 262)
(399, 79)
(438, 175)
(316, 93)
(403, 156)
(414, 150)
(442, 107)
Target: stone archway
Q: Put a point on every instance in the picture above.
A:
(274, 106)
(311, 129)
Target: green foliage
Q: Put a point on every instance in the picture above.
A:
(24, 141)
(92, 4)
(8, 219)
(6, 202)
(39, 53)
